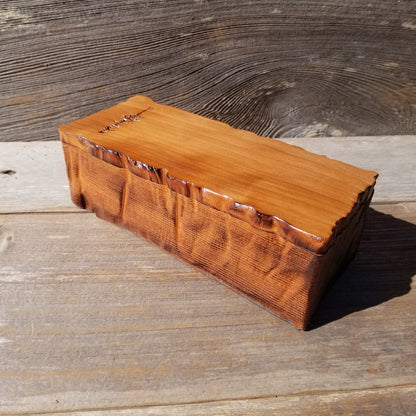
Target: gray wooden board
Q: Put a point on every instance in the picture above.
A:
(396, 401)
(40, 184)
(317, 67)
(93, 317)
(33, 178)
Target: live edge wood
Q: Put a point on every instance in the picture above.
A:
(270, 220)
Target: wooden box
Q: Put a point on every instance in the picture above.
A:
(270, 220)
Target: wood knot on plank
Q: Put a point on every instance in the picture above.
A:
(8, 172)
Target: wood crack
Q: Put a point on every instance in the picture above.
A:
(322, 393)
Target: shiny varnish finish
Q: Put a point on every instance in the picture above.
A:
(270, 220)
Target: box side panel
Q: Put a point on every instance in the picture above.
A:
(340, 253)
(260, 265)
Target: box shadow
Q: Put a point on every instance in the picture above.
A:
(381, 270)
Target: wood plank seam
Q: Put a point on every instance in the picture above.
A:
(319, 393)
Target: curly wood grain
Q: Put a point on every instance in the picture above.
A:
(320, 68)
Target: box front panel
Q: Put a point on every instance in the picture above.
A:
(262, 266)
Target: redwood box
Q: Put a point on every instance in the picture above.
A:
(270, 220)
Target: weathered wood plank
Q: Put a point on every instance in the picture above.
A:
(322, 68)
(398, 401)
(111, 321)
(40, 183)
(33, 178)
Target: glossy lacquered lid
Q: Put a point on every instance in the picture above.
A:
(300, 196)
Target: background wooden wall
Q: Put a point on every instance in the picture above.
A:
(278, 67)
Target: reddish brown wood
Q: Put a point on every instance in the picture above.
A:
(270, 220)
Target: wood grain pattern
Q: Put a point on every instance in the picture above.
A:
(40, 183)
(271, 221)
(394, 157)
(231, 170)
(322, 68)
(114, 322)
(381, 402)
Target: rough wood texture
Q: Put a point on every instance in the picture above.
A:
(270, 220)
(316, 68)
(397, 401)
(86, 331)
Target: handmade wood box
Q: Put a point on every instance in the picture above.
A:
(270, 220)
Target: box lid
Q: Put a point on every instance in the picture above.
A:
(303, 197)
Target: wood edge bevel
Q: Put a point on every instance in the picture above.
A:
(161, 176)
